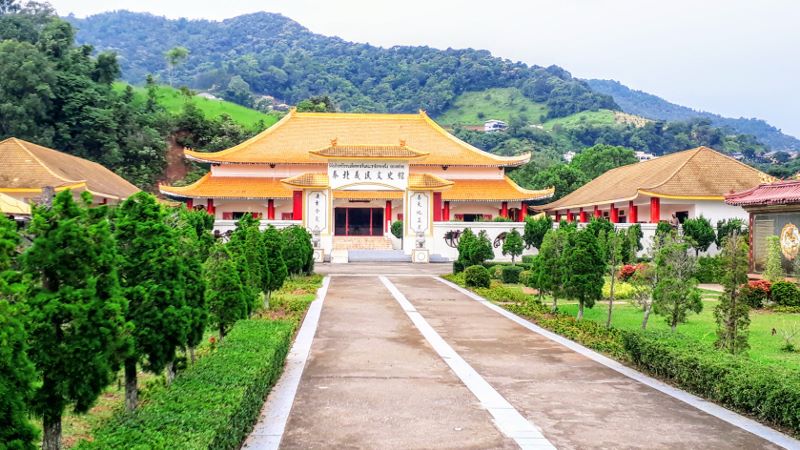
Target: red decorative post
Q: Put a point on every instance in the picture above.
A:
(583, 216)
(270, 209)
(210, 206)
(655, 210)
(614, 214)
(633, 212)
(597, 211)
(297, 205)
(569, 216)
(446, 212)
(523, 211)
(388, 215)
(437, 206)
(504, 210)
(189, 203)
(558, 217)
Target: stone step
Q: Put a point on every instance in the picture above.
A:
(362, 243)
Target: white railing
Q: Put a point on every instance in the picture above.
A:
(227, 225)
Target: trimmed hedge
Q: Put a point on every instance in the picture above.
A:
(785, 293)
(768, 392)
(458, 266)
(709, 269)
(525, 277)
(528, 259)
(510, 274)
(477, 276)
(214, 403)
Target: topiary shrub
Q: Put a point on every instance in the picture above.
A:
(709, 269)
(785, 293)
(496, 271)
(477, 276)
(510, 274)
(397, 229)
(525, 277)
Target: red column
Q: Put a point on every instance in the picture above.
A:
(558, 217)
(387, 215)
(614, 216)
(437, 206)
(655, 210)
(297, 205)
(189, 203)
(569, 216)
(583, 216)
(210, 206)
(523, 211)
(597, 211)
(270, 209)
(446, 212)
(633, 212)
(504, 209)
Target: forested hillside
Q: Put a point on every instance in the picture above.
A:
(654, 107)
(271, 54)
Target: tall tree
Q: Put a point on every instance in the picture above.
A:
(676, 294)
(535, 229)
(227, 296)
(153, 275)
(599, 159)
(175, 57)
(550, 272)
(513, 245)
(733, 313)
(248, 249)
(273, 242)
(700, 233)
(583, 261)
(76, 313)
(195, 242)
(613, 244)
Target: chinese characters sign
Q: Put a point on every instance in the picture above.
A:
(392, 174)
(419, 212)
(317, 210)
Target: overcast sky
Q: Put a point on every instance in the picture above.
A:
(732, 57)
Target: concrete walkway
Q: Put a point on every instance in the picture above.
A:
(413, 363)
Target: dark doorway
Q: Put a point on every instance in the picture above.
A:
(358, 221)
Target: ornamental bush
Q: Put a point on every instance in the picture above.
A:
(458, 266)
(528, 259)
(214, 403)
(510, 274)
(622, 290)
(770, 393)
(785, 293)
(476, 276)
(397, 229)
(756, 293)
(709, 269)
(525, 277)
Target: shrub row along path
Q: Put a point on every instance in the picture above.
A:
(406, 361)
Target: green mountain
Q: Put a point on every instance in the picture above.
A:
(654, 107)
(272, 55)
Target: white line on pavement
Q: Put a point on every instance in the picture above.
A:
(762, 431)
(268, 431)
(506, 418)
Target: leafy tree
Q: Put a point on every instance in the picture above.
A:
(228, 298)
(26, 93)
(583, 262)
(728, 226)
(773, 267)
(238, 91)
(321, 103)
(513, 245)
(613, 243)
(600, 158)
(274, 242)
(700, 233)
(482, 250)
(564, 178)
(599, 227)
(644, 282)
(550, 271)
(635, 236)
(194, 244)
(675, 294)
(733, 313)
(535, 229)
(297, 251)
(247, 248)
(75, 310)
(153, 272)
(175, 56)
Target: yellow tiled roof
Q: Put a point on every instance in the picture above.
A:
(494, 190)
(308, 180)
(697, 174)
(291, 140)
(230, 187)
(10, 205)
(427, 182)
(398, 152)
(368, 195)
(27, 167)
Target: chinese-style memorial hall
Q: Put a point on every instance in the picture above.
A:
(346, 177)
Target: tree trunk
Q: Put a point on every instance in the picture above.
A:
(170, 372)
(191, 355)
(131, 394)
(51, 438)
(221, 332)
(555, 304)
(647, 310)
(610, 300)
(267, 296)
(580, 310)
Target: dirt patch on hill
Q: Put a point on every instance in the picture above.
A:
(177, 168)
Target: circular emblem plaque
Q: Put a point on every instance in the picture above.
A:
(790, 241)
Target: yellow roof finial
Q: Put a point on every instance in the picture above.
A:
(402, 142)
(334, 141)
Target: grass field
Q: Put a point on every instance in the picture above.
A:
(601, 117)
(473, 108)
(172, 100)
(764, 347)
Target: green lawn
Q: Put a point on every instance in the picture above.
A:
(764, 346)
(601, 117)
(473, 108)
(172, 100)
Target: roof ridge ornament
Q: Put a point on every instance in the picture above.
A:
(334, 141)
(402, 143)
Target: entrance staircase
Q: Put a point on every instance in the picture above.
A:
(362, 243)
(365, 249)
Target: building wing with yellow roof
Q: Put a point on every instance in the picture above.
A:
(346, 174)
